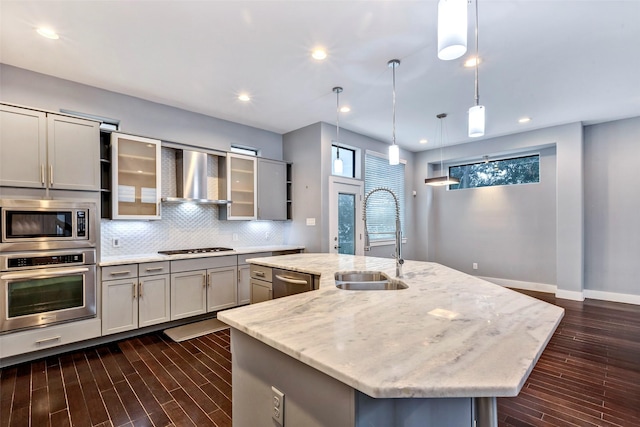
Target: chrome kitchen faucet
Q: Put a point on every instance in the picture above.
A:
(367, 245)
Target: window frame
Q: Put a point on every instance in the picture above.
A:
(494, 160)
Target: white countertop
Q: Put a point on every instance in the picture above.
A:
(448, 335)
(153, 257)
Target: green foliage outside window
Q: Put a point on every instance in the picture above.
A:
(519, 170)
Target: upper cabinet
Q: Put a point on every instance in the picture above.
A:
(135, 174)
(272, 190)
(47, 150)
(237, 182)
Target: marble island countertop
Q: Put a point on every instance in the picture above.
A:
(448, 335)
(154, 257)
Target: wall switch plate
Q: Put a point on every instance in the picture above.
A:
(277, 401)
(115, 242)
(475, 265)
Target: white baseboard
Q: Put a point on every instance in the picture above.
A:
(571, 295)
(519, 284)
(561, 293)
(612, 296)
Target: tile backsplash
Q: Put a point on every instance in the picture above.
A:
(186, 225)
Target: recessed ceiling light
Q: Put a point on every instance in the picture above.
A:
(345, 109)
(319, 54)
(524, 120)
(48, 33)
(423, 141)
(244, 97)
(471, 62)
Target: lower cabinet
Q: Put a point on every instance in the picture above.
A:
(202, 285)
(140, 298)
(261, 286)
(244, 276)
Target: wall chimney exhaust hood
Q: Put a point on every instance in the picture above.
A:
(191, 179)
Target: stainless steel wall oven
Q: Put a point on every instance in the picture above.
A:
(47, 263)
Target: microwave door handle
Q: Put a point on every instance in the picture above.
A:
(292, 281)
(41, 273)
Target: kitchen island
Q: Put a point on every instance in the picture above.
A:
(436, 353)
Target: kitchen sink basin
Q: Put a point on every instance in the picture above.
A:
(366, 281)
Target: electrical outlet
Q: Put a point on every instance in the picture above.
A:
(235, 237)
(267, 235)
(278, 405)
(115, 242)
(475, 265)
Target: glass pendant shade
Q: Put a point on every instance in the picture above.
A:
(476, 121)
(337, 166)
(452, 29)
(394, 154)
(441, 181)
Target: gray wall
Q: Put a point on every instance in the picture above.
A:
(137, 116)
(532, 233)
(612, 202)
(309, 149)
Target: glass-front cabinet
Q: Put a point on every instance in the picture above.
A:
(135, 177)
(237, 182)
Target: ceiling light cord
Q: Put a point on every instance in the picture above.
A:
(477, 86)
(337, 90)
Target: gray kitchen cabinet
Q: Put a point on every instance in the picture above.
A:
(135, 297)
(47, 150)
(244, 276)
(201, 285)
(237, 181)
(135, 175)
(272, 190)
(222, 288)
(261, 286)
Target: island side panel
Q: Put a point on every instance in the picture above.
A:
(312, 399)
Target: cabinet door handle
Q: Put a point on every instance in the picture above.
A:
(140, 290)
(42, 173)
(135, 290)
(50, 174)
(47, 340)
(119, 273)
(205, 280)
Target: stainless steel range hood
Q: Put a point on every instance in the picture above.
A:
(191, 179)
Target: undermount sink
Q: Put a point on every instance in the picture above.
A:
(366, 281)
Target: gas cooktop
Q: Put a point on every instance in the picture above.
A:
(194, 251)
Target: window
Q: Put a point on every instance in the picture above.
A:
(517, 170)
(244, 150)
(381, 209)
(348, 157)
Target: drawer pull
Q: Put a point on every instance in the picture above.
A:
(119, 273)
(154, 269)
(48, 340)
(260, 273)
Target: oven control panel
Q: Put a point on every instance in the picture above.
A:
(45, 260)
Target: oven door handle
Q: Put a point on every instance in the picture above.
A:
(292, 281)
(43, 273)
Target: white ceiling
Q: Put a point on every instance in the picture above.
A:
(557, 61)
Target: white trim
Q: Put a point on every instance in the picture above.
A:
(570, 295)
(612, 296)
(518, 284)
(386, 242)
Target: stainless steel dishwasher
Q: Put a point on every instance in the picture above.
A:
(287, 282)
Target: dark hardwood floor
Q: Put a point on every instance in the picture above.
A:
(589, 375)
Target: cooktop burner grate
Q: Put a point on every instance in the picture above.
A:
(194, 251)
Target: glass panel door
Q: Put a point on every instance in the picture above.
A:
(242, 187)
(346, 223)
(42, 295)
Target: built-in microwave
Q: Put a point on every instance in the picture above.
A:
(28, 225)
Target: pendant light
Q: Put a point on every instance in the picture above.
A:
(476, 113)
(394, 150)
(439, 181)
(337, 163)
(452, 29)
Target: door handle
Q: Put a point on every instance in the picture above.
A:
(50, 174)
(292, 281)
(337, 247)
